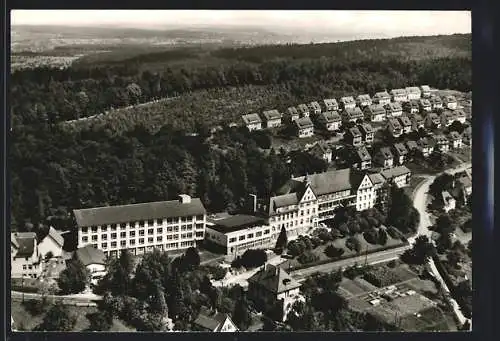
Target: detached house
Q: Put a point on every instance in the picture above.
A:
(425, 146)
(442, 143)
(252, 122)
(399, 95)
(375, 113)
(455, 140)
(322, 151)
(303, 110)
(382, 98)
(52, 243)
(425, 105)
(405, 123)
(330, 120)
(426, 91)
(412, 147)
(364, 159)
(413, 92)
(304, 127)
(447, 118)
(394, 127)
(460, 116)
(331, 104)
(314, 107)
(436, 102)
(367, 132)
(213, 321)
(292, 113)
(272, 118)
(353, 136)
(398, 175)
(393, 109)
(364, 100)
(417, 122)
(384, 158)
(401, 153)
(94, 261)
(411, 107)
(433, 120)
(450, 102)
(352, 114)
(449, 203)
(272, 287)
(467, 136)
(25, 259)
(347, 102)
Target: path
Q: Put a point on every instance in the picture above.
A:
(81, 298)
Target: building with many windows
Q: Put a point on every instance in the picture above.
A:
(166, 225)
(25, 259)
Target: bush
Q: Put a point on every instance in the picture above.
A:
(217, 272)
(371, 236)
(394, 233)
(353, 244)
(251, 259)
(308, 257)
(381, 276)
(36, 307)
(392, 264)
(100, 321)
(382, 237)
(333, 252)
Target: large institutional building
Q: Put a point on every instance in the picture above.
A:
(165, 225)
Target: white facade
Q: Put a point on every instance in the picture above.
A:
(49, 244)
(237, 242)
(365, 195)
(254, 126)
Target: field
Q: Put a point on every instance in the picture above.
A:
(25, 321)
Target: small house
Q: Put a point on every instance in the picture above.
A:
(460, 116)
(330, 120)
(405, 123)
(347, 102)
(375, 113)
(382, 98)
(364, 159)
(400, 153)
(25, 259)
(412, 147)
(426, 146)
(94, 260)
(213, 321)
(442, 143)
(447, 118)
(367, 131)
(411, 107)
(400, 176)
(426, 91)
(384, 158)
(417, 122)
(303, 110)
(414, 93)
(292, 114)
(314, 107)
(321, 151)
(272, 118)
(354, 137)
(448, 201)
(331, 104)
(455, 140)
(393, 109)
(252, 122)
(425, 105)
(304, 127)
(51, 244)
(399, 95)
(450, 102)
(363, 100)
(436, 102)
(352, 114)
(394, 127)
(433, 120)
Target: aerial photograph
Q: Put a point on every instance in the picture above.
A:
(240, 171)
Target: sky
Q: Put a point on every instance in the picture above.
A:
(382, 22)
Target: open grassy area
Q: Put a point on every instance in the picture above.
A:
(464, 154)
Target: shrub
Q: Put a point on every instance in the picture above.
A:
(381, 276)
(394, 233)
(353, 243)
(308, 257)
(382, 236)
(253, 258)
(334, 252)
(371, 236)
(217, 272)
(36, 307)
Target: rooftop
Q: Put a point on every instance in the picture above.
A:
(274, 279)
(394, 123)
(56, 236)
(315, 105)
(331, 116)
(211, 320)
(393, 172)
(398, 92)
(293, 110)
(137, 212)
(376, 109)
(366, 127)
(363, 154)
(425, 88)
(382, 94)
(302, 108)
(411, 145)
(413, 89)
(405, 121)
(236, 222)
(347, 99)
(394, 106)
(330, 102)
(304, 122)
(455, 135)
(425, 102)
(354, 131)
(90, 255)
(272, 114)
(400, 149)
(386, 152)
(354, 112)
(364, 97)
(25, 243)
(251, 118)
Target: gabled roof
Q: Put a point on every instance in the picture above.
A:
(393, 172)
(395, 123)
(450, 98)
(56, 236)
(400, 149)
(405, 121)
(376, 178)
(425, 142)
(436, 99)
(90, 255)
(284, 200)
(211, 320)
(366, 128)
(411, 145)
(455, 135)
(272, 114)
(364, 97)
(320, 148)
(412, 90)
(315, 105)
(354, 112)
(292, 111)
(433, 116)
(382, 94)
(440, 139)
(347, 99)
(363, 154)
(393, 106)
(251, 119)
(412, 103)
(137, 212)
(417, 118)
(354, 131)
(236, 222)
(425, 88)
(25, 242)
(375, 109)
(398, 92)
(386, 152)
(304, 122)
(425, 102)
(274, 279)
(302, 108)
(330, 102)
(331, 116)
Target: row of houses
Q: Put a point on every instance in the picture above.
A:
(404, 124)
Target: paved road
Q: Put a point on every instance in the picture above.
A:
(77, 298)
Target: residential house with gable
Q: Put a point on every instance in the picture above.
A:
(352, 114)
(442, 143)
(321, 151)
(292, 114)
(304, 127)
(272, 118)
(460, 116)
(399, 95)
(449, 203)
(303, 110)
(447, 118)
(411, 107)
(25, 260)
(450, 102)
(384, 158)
(426, 146)
(433, 120)
(347, 102)
(425, 105)
(367, 132)
(375, 113)
(401, 153)
(364, 159)
(51, 244)
(414, 93)
(405, 124)
(426, 91)
(94, 261)
(314, 107)
(252, 122)
(354, 137)
(394, 127)
(363, 100)
(417, 122)
(330, 120)
(455, 140)
(213, 321)
(400, 176)
(436, 102)
(331, 104)
(382, 98)
(393, 109)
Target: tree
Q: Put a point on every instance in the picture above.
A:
(282, 241)
(382, 236)
(191, 259)
(74, 278)
(100, 321)
(157, 301)
(241, 315)
(421, 251)
(58, 318)
(333, 252)
(49, 255)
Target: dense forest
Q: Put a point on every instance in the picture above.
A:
(143, 154)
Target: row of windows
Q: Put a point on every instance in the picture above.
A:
(29, 267)
(143, 223)
(250, 235)
(159, 230)
(94, 238)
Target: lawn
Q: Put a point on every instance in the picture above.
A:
(25, 321)
(464, 154)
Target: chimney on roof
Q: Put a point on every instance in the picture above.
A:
(184, 199)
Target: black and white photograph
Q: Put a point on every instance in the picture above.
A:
(240, 171)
